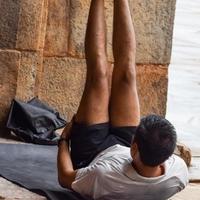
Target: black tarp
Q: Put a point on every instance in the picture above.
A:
(34, 167)
(34, 122)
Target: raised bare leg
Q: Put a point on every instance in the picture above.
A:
(94, 104)
(124, 108)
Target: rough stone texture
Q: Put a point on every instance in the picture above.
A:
(9, 15)
(30, 24)
(62, 84)
(9, 63)
(29, 70)
(44, 24)
(79, 11)
(152, 87)
(56, 43)
(153, 21)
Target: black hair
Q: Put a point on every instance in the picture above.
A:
(156, 139)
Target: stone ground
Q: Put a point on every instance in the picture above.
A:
(10, 191)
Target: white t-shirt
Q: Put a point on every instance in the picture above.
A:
(111, 176)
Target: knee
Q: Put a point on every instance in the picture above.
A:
(98, 69)
(126, 75)
(99, 77)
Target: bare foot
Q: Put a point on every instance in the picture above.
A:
(184, 152)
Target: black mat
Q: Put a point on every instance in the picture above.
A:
(34, 167)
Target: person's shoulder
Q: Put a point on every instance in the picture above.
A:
(177, 162)
(177, 168)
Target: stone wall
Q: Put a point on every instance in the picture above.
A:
(42, 51)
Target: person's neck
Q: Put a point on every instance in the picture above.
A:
(148, 171)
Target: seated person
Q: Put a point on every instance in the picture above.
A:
(115, 154)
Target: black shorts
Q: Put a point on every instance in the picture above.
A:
(88, 141)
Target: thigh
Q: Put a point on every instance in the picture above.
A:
(124, 107)
(93, 108)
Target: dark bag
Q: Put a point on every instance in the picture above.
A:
(34, 122)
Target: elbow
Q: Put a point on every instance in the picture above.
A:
(63, 182)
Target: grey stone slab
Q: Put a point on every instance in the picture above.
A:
(192, 191)
(10, 191)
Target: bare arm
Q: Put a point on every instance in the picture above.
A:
(66, 173)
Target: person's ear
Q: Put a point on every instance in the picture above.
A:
(134, 149)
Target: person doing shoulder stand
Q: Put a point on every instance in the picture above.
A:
(115, 154)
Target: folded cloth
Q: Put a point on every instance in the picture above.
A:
(34, 167)
(34, 122)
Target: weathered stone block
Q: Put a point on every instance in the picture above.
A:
(152, 82)
(79, 11)
(30, 24)
(9, 17)
(29, 71)
(153, 21)
(62, 84)
(56, 43)
(9, 63)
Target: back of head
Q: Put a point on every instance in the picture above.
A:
(156, 140)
